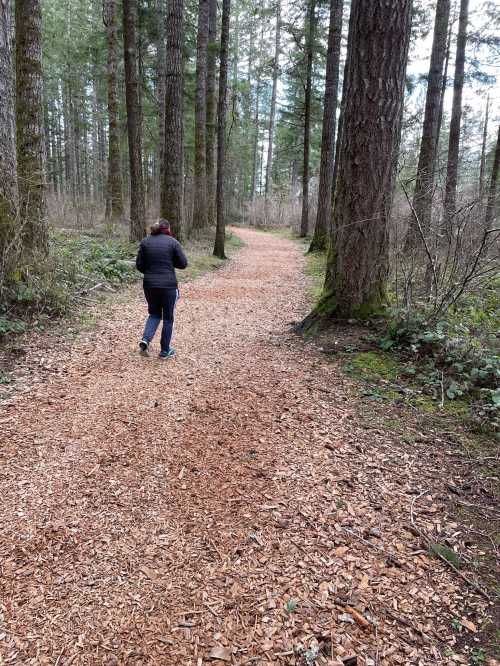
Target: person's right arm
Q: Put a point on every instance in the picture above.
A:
(179, 258)
(140, 260)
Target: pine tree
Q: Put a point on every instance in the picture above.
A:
(492, 204)
(323, 217)
(424, 185)
(211, 131)
(160, 88)
(482, 165)
(220, 234)
(450, 197)
(200, 217)
(357, 265)
(30, 127)
(272, 113)
(310, 37)
(172, 194)
(8, 169)
(134, 114)
(115, 182)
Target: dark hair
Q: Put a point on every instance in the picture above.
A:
(157, 227)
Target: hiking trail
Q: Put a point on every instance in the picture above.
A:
(226, 507)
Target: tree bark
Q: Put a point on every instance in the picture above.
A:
(200, 217)
(160, 91)
(482, 165)
(211, 131)
(8, 167)
(492, 204)
(450, 196)
(444, 83)
(424, 184)
(256, 137)
(272, 112)
(132, 83)
(310, 30)
(220, 234)
(30, 129)
(172, 195)
(323, 217)
(115, 180)
(357, 265)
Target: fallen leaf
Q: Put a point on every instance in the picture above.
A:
(362, 621)
(220, 653)
(470, 625)
(341, 550)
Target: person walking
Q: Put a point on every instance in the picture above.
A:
(158, 257)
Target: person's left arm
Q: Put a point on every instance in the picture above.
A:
(179, 258)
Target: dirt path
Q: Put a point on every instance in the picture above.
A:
(225, 504)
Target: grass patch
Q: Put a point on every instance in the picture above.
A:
(373, 366)
(199, 250)
(315, 271)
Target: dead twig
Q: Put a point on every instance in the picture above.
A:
(429, 543)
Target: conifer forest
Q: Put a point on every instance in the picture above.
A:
(311, 476)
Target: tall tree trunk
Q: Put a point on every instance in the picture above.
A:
(235, 33)
(59, 146)
(256, 136)
(68, 156)
(137, 202)
(255, 149)
(492, 204)
(338, 144)
(211, 132)
(272, 112)
(115, 180)
(357, 265)
(450, 196)
(324, 213)
(172, 194)
(95, 165)
(200, 217)
(482, 165)
(8, 180)
(310, 30)
(160, 91)
(75, 148)
(424, 185)
(30, 130)
(444, 83)
(220, 233)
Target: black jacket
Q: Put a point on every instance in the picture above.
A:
(158, 257)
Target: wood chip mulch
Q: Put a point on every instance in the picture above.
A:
(225, 507)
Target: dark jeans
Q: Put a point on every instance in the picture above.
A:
(161, 305)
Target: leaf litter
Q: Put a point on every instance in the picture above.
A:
(226, 507)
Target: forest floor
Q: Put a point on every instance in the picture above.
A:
(237, 505)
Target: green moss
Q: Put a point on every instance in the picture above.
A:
(449, 555)
(373, 365)
(392, 424)
(426, 404)
(315, 271)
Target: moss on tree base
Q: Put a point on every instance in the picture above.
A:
(328, 312)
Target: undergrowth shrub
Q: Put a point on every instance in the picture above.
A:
(52, 284)
(455, 358)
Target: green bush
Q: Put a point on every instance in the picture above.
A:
(451, 356)
(54, 283)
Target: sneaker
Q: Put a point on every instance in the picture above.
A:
(144, 347)
(167, 354)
